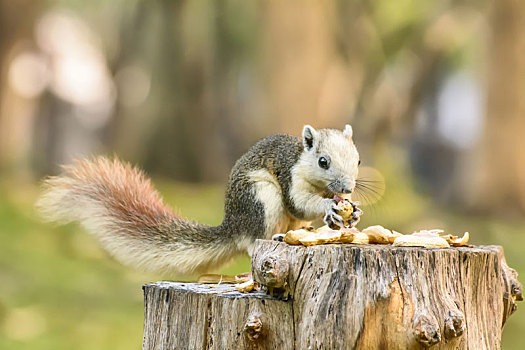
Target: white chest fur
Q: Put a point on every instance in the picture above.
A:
(269, 193)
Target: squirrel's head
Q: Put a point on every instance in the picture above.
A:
(330, 159)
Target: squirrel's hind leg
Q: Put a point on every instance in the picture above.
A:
(255, 209)
(268, 193)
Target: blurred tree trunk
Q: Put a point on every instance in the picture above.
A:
(126, 127)
(193, 73)
(502, 182)
(166, 150)
(16, 24)
(297, 52)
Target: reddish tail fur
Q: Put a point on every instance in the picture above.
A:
(117, 203)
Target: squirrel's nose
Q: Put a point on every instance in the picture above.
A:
(346, 190)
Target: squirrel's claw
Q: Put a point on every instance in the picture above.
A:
(356, 214)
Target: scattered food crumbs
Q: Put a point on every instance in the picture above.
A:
(455, 241)
(295, 237)
(243, 277)
(245, 287)
(425, 238)
(328, 236)
(376, 234)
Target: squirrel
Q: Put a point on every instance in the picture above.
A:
(283, 182)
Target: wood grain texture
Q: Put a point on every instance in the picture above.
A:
(384, 297)
(197, 316)
(339, 296)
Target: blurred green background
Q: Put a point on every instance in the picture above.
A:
(435, 91)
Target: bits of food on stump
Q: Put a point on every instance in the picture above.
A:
(376, 234)
(455, 241)
(361, 238)
(423, 238)
(246, 287)
(294, 237)
(328, 236)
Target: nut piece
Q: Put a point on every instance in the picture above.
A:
(349, 211)
(377, 234)
(245, 287)
(360, 238)
(331, 236)
(348, 235)
(345, 209)
(395, 234)
(293, 237)
(424, 238)
(455, 241)
(243, 277)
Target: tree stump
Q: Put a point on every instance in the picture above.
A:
(201, 316)
(342, 296)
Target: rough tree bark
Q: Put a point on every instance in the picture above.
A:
(341, 297)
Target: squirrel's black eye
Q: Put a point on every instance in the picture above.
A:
(359, 162)
(324, 163)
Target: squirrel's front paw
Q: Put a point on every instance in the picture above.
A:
(356, 214)
(332, 218)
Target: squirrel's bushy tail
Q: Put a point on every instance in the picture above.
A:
(117, 203)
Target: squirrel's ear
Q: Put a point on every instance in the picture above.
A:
(348, 132)
(309, 137)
